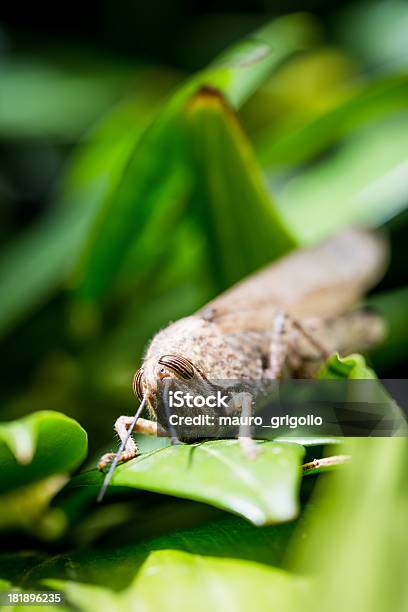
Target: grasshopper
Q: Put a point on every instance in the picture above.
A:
(282, 321)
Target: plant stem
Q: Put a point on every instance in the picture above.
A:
(326, 463)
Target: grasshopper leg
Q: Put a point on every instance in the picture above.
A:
(285, 330)
(279, 347)
(242, 403)
(310, 337)
(150, 428)
(249, 447)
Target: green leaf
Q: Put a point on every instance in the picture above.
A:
(352, 366)
(42, 257)
(264, 490)
(363, 182)
(335, 368)
(37, 446)
(307, 85)
(230, 193)
(225, 537)
(15, 565)
(40, 99)
(372, 397)
(122, 175)
(46, 254)
(154, 185)
(155, 175)
(26, 509)
(356, 531)
(177, 580)
(4, 585)
(373, 100)
(240, 70)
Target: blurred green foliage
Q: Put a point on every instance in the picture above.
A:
(41, 444)
(130, 194)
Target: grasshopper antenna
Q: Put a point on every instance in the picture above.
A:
(115, 461)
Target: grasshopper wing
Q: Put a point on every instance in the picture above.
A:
(323, 281)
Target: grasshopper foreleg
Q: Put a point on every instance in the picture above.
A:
(150, 428)
(279, 346)
(242, 403)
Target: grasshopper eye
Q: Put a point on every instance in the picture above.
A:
(137, 384)
(179, 365)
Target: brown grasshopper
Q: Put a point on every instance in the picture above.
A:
(282, 321)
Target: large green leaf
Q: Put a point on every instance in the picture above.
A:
(363, 182)
(37, 446)
(174, 580)
(356, 523)
(26, 509)
(358, 533)
(264, 490)
(306, 86)
(225, 537)
(41, 99)
(241, 69)
(15, 565)
(43, 258)
(242, 225)
(121, 179)
(371, 100)
(148, 186)
(45, 255)
(151, 191)
(115, 573)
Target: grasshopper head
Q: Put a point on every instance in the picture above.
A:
(155, 372)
